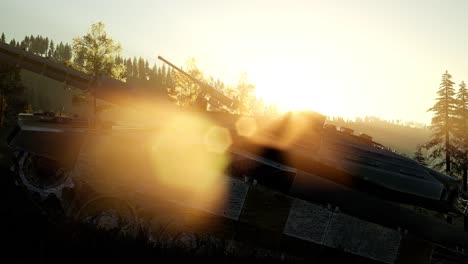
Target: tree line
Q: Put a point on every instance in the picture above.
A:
(42, 46)
(98, 54)
(448, 147)
(400, 137)
(134, 68)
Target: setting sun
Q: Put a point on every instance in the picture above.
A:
(304, 87)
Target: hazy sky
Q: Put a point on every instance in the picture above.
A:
(349, 58)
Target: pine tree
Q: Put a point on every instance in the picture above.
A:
(34, 46)
(59, 54)
(44, 46)
(50, 51)
(2, 38)
(419, 156)
(67, 53)
(147, 69)
(461, 128)
(135, 68)
(11, 93)
(24, 45)
(141, 69)
(129, 68)
(442, 126)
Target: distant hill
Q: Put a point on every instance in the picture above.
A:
(402, 138)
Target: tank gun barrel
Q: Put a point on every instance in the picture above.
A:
(206, 88)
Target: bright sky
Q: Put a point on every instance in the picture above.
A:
(348, 58)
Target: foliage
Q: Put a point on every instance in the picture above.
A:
(185, 92)
(11, 94)
(137, 71)
(95, 53)
(419, 156)
(246, 96)
(442, 126)
(461, 131)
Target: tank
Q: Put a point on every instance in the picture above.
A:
(279, 153)
(125, 176)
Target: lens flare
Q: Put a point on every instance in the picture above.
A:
(217, 139)
(189, 158)
(246, 126)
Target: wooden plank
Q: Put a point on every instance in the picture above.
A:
(307, 221)
(363, 238)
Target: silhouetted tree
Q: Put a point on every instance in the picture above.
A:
(419, 156)
(63, 53)
(128, 68)
(50, 51)
(442, 125)
(2, 38)
(135, 68)
(141, 69)
(461, 131)
(11, 93)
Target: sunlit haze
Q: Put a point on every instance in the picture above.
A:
(347, 58)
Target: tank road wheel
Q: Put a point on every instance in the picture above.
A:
(111, 214)
(42, 175)
(44, 181)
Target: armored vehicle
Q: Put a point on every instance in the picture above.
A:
(122, 176)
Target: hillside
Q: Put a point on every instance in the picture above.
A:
(400, 137)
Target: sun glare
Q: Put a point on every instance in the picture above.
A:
(294, 92)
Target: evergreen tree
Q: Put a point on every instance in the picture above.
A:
(67, 53)
(129, 68)
(419, 156)
(461, 128)
(63, 54)
(34, 44)
(13, 42)
(135, 68)
(44, 46)
(153, 74)
(442, 126)
(163, 74)
(11, 93)
(50, 51)
(141, 69)
(2, 38)
(24, 45)
(147, 69)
